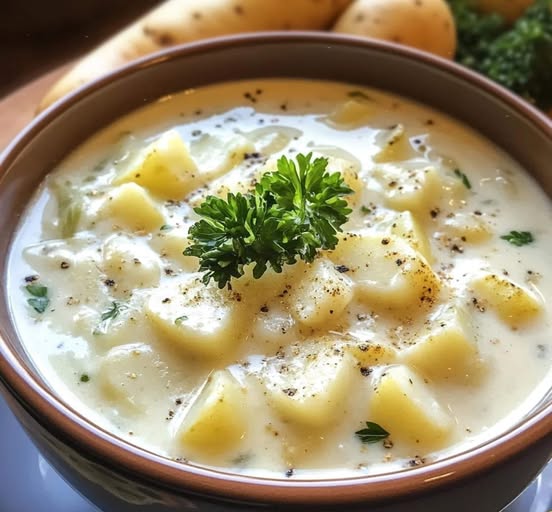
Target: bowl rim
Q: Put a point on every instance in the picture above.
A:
(99, 444)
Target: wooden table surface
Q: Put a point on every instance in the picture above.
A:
(41, 36)
(18, 109)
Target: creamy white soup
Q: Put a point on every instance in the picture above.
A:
(425, 331)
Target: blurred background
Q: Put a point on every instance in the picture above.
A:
(39, 35)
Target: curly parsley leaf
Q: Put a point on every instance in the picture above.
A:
(293, 212)
(518, 238)
(372, 433)
(39, 300)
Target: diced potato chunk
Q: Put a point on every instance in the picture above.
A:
(448, 350)
(216, 421)
(203, 320)
(310, 387)
(468, 226)
(372, 354)
(404, 406)
(395, 146)
(321, 295)
(130, 206)
(131, 375)
(116, 331)
(349, 172)
(350, 115)
(241, 182)
(387, 271)
(73, 260)
(271, 285)
(164, 167)
(273, 327)
(513, 303)
(215, 156)
(271, 139)
(130, 264)
(408, 189)
(171, 243)
(407, 227)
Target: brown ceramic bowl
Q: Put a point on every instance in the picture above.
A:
(116, 475)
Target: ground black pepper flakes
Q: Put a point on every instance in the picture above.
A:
(342, 268)
(416, 461)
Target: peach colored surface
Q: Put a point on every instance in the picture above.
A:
(18, 108)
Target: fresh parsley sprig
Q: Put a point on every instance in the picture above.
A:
(292, 213)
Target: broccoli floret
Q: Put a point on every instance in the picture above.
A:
(517, 57)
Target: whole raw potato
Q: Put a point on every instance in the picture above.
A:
(510, 9)
(181, 21)
(424, 24)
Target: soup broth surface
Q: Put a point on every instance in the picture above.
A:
(430, 320)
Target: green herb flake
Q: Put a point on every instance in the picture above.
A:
(165, 227)
(241, 460)
(372, 433)
(359, 95)
(108, 315)
(101, 165)
(37, 290)
(84, 377)
(518, 238)
(459, 174)
(365, 209)
(293, 212)
(180, 319)
(39, 300)
(39, 304)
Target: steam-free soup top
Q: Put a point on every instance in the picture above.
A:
(426, 330)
